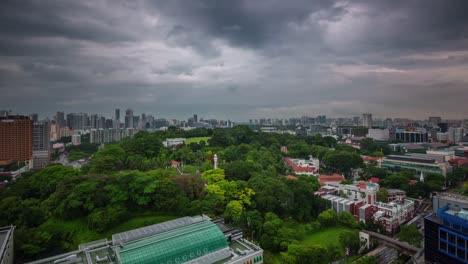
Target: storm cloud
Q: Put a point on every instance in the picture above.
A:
(235, 59)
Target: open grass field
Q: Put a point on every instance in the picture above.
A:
(330, 235)
(77, 230)
(325, 237)
(197, 140)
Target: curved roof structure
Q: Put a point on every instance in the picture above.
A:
(174, 246)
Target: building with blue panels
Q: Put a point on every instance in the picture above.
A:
(446, 230)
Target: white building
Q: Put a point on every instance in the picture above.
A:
(169, 142)
(379, 134)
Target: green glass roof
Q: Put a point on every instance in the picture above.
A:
(175, 246)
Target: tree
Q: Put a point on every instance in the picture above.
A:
(347, 219)
(410, 234)
(367, 260)
(213, 176)
(350, 239)
(327, 218)
(315, 254)
(382, 195)
(241, 170)
(234, 210)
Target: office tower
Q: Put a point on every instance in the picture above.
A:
(195, 118)
(117, 114)
(129, 118)
(434, 120)
(16, 140)
(41, 144)
(60, 119)
(446, 230)
(34, 117)
(367, 120)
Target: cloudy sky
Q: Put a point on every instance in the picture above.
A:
(235, 59)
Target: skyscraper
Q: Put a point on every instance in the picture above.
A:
(129, 118)
(77, 121)
(41, 147)
(117, 114)
(195, 118)
(16, 139)
(60, 119)
(367, 120)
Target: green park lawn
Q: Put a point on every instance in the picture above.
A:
(330, 235)
(77, 231)
(327, 236)
(197, 140)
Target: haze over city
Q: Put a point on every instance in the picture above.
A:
(235, 59)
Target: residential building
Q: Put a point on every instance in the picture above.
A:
(396, 195)
(446, 230)
(76, 139)
(6, 245)
(17, 138)
(418, 164)
(197, 239)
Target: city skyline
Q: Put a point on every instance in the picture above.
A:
(236, 59)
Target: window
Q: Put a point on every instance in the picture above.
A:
(443, 246)
(451, 250)
(451, 238)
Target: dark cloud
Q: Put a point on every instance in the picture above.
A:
(235, 59)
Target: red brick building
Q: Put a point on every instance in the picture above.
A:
(16, 136)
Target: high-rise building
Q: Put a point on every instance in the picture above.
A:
(367, 120)
(456, 134)
(195, 118)
(41, 135)
(129, 118)
(16, 138)
(117, 114)
(446, 230)
(41, 144)
(34, 117)
(77, 121)
(60, 119)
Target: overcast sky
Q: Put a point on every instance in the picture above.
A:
(235, 59)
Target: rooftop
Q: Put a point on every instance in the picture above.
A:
(184, 240)
(410, 159)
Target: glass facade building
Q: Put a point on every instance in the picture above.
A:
(446, 231)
